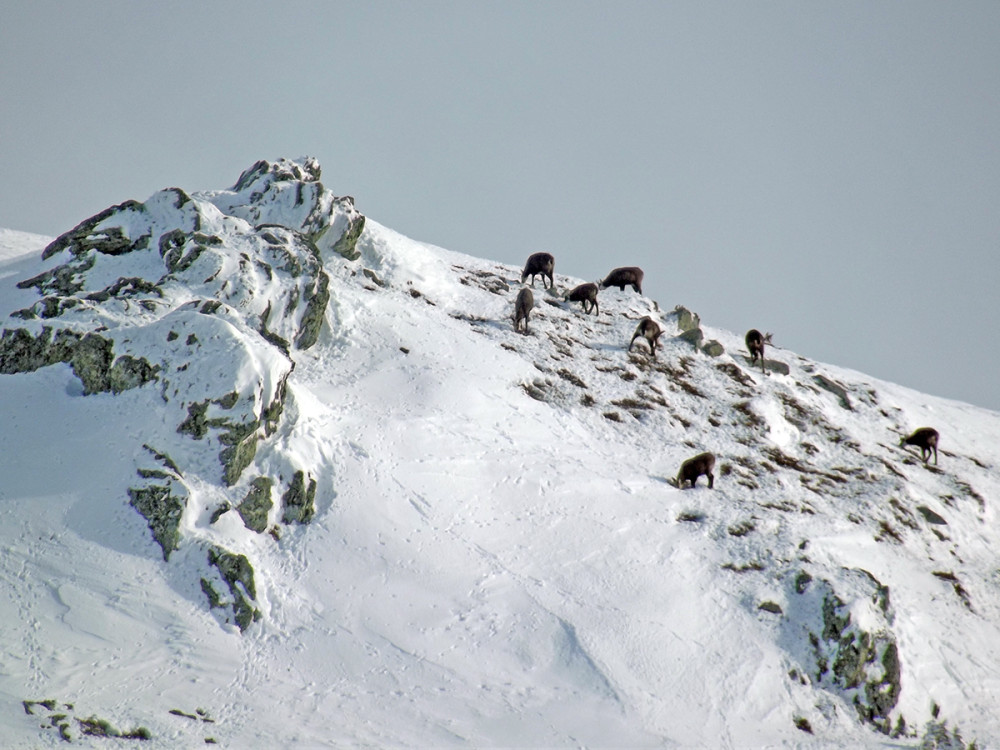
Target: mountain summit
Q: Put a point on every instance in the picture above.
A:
(276, 474)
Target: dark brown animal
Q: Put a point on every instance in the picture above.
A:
(584, 293)
(926, 439)
(522, 308)
(542, 264)
(648, 329)
(693, 468)
(755, 345)
(623, 277)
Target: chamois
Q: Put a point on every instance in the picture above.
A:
(539, 264)
(584, 293)
(926, 439)
(522, 308)
(648, 329)
(693, 468)
(755, 345)
(623, 277)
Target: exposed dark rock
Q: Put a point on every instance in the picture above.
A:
(91, 362)
(85, 235)
(686, 320)
(713, 348)
(162, 510)
(375, 278)
(835, 388)
(315, 312)
(20, 351)
(299, 501)
(241, 447)
(930, 516)
(256, 505)
(91, 356)
(863, 665)
(196, 423)
(237, 572)
(129, 372)
(347, 244)
(692, 336)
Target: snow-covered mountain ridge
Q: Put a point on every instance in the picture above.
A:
(373, 514)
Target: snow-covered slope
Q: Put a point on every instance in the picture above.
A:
(371, 514)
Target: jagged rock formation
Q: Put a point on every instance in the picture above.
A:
(861, 663)
(202, 297)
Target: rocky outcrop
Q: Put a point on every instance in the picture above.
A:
(685, 319)
(862, 663)
(835, 388)
(90, 356)
(299, 502)
(162, 510)
(290, 193)
(713, 348)
(237, 575)
(203, 299)
(256, 505)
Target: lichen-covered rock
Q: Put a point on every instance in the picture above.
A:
(861, 663)
(129, 372)
(316, 300)
(91, 357)
(237, 573)
(692, 336)
(196, 423)
(23, 351)
(237, 456)
(686, 320)
(86, 235)
(290, 193)
(713, 348)
(208, 296)
(353, 225)
(162, 510)
(299, 501)
(91, 362)
(256, 505)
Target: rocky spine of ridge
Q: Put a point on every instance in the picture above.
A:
(201, 299)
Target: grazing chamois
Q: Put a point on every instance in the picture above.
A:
(648, 329)
(541, 264)
(584, 293)
(926, 439)
(623, 277)
(755, 345)
(693, 468)
(522, 308)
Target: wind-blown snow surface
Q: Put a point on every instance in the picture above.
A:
(498, 557)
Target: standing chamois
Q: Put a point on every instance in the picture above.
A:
(926, 439)
(693, 468)
(522, 308)
(584, 293)
(648, 329)
(623, 277)
(755, 345)
(541, 264)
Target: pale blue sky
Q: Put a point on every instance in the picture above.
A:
(829, 172)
